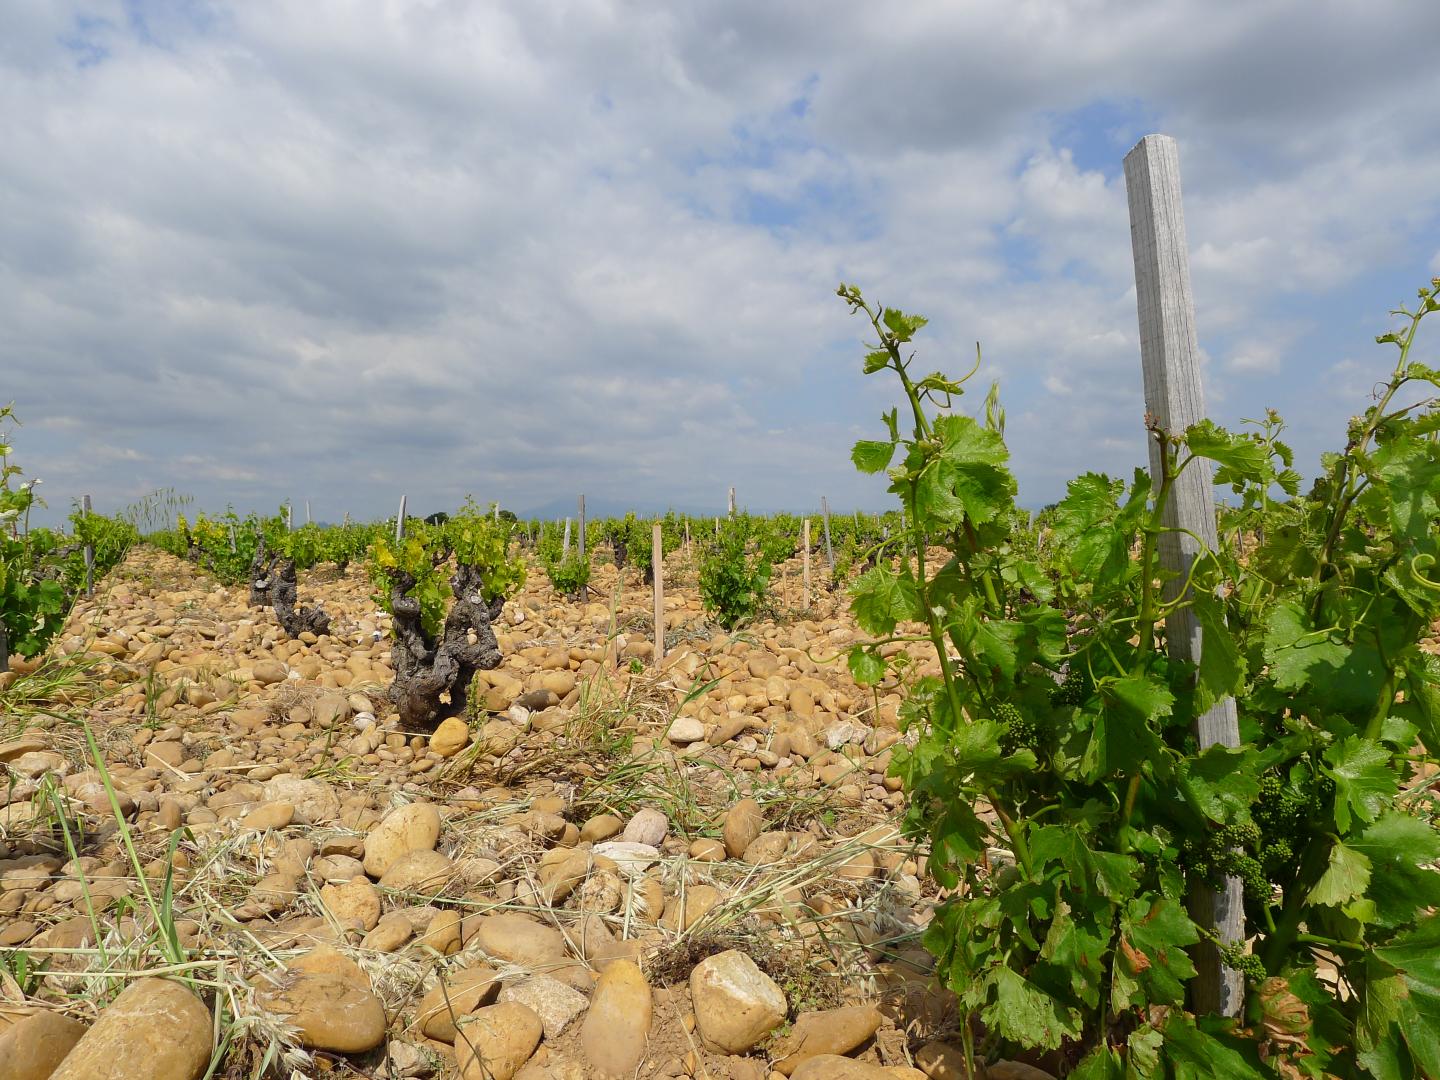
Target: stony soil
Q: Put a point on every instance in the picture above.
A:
(612, 868)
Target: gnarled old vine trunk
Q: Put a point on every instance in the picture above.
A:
(260, 567)
(428, 671)
(284, 596)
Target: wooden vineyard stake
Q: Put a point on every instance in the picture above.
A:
(1169, 357)
(400, 521)
(829, 550)
(657, 562)
(688, 553)
(732, 501)
(565, 547)
(805, 548)
(89, 551)
(307, 511)
(580, 548)
(232, 538)
(289, 517)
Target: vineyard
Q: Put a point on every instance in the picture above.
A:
(484, 797)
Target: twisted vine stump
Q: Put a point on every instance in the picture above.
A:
(284, 598)
(432, 677)
(260, 567)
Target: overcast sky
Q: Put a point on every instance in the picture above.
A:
(339, 251)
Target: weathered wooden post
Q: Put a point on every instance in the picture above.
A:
(805, 547)
(307, 512)
(657, 563)
(232, 538)
(400, 521)
(732, 500)
(1169, 355)
(565, 547)
(289, 517)
(581, 546)
(89, 551)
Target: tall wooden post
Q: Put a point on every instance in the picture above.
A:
(1169, 355)
(657, 563)
(581, 546)
(565, 547)
(732, 501)
(307, 512)
(89, 551)
(400, 521)
(805, 549)
(289, 517)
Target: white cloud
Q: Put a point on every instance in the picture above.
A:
(335, 250)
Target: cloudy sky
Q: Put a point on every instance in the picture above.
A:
(524, 248)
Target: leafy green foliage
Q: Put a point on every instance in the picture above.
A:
(42, 572)
(1058, 710)
(735, 571)
(420, 562)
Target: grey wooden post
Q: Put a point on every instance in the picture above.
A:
(289, 517)
(657, 564)
(89, 551)
(232, 538)
(829, 550)
(1169, 355)
(732, 501)
(400, 521)
(307, 511)
(580, 546)
(805, 551)
(565, 548)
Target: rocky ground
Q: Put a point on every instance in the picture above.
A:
(220, 852)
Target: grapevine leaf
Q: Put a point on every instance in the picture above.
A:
(1384, 991)
(1102, 1063)
(969, 478)
(1221, 671)
(1122, 740)
(903, 326)
(1401, 850)
(871, 456)
(866, 666)
(1198, 1055)
(1026, 1014)
(1416, 956)
(1221, 782)
(1109, 873)
(1364, 781)
(1242, 458)
(881, 598)
(1347, 877)
(994, 642)
(1422, 684)
(1299, 656)
(1159, 931)
(875, 361)
(1074, 953)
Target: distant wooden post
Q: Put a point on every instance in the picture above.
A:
(289, 517)
(581, 545)
(400, 521)
(232, 538)
(89, 551)
(829, 551)
(805, 548)
(307, 511)
(688, 553)
(565, 547)
(1169, 355)
(732, 500)
(657, 563)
